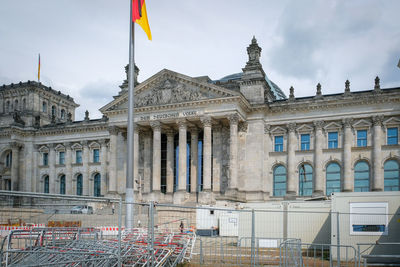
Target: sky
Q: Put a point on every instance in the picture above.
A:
(84, 43)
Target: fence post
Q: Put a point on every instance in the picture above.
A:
(253, 236)
(150, 232)
(338, 238)
(119, 231)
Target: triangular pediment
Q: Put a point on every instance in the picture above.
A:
(304, 128)
(392, 121)
(168, 87)
(278, 130)
(332, 126)
(362, 124)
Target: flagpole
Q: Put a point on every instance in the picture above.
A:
(129, 170)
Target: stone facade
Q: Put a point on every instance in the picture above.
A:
(197, 140)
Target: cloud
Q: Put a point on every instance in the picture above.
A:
(93, 96)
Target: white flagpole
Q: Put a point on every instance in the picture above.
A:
(129, 170)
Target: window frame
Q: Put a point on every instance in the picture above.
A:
(274, 189)
(395, 137)
(360, 141)
(362, 179)
(306, 143)
(278, 147)
(96, 158)
(61, 157)
(328, 172)
(78, 152)
(335, 142)
(387, 179)
(45, 158)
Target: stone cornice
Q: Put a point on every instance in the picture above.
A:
(338, 101)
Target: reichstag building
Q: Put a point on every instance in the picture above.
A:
(199, 140)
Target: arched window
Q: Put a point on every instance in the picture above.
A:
(391, 175)
(24, 104)
(361, 177)
(53, 111)
(16, 107)
(305, 180)
(332, 178)
(79, 185)
(62, 114)
(62, 184)
(46, 184)
(8, 106)
(279, 180)
(97, 185)
(9, 159)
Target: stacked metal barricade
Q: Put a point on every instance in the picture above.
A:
(82, 247)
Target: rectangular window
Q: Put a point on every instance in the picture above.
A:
(61, 158)
(278, 143)
(361, 138)
(96, 155)
(78, 158)
(305, 141)
(45, 159)
(333, 140)
(392, 136)
(369, 218)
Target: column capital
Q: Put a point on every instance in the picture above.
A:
(67, 145)
(243, 126)
(51, 146)
(347, 122)
(113, 130)
(377, 120)
(318, 124)
(169, 132)
(193, 130)
(103, 142)
(267, 128)
(15, 145)
(233, 118)
(145, 133)
(155, 125)
(291, 126)
(206, 121)
(182, 123)
(84, 143)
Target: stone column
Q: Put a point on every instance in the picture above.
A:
(268, 143)
(182, 156)
(207, 153)
(347, 143)
(28, 183)
(318, 176)
(147, 162)
(112, 183)
(15, 166)
(70, 186)
(291, 165)
(216, 159)
(156, 125)
(87, 190)
(233, 152)
(194, 139)
(377, 180)
(103, 172)
(53, 189)
(170, 161)
(136, 178)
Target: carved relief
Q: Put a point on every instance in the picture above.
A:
(243, 127)
(168, 92)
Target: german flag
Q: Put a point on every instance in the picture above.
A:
(139, 15)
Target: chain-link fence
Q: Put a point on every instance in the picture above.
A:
(49, 230)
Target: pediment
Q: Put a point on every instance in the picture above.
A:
(392, 121)
(362, 124)
(305, 128)
(167, 87)
(278, 130)
(332, 126)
